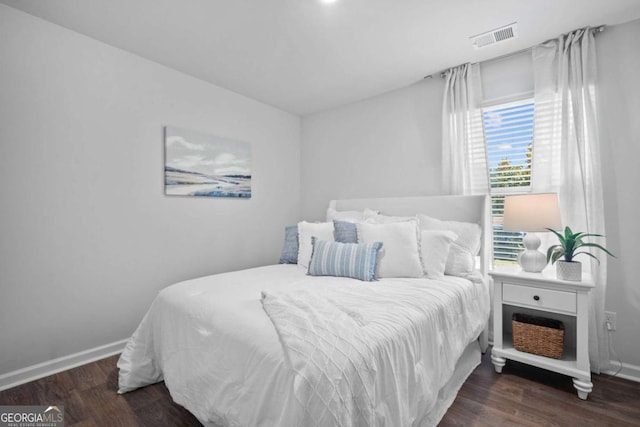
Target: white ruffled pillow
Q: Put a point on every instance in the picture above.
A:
(434, 251)
(350, 216)
(399, 256)
(462, 253)
(387, 219)
(307, 230)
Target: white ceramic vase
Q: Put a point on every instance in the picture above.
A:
(569, 270)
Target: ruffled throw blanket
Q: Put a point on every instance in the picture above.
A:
(330, 355)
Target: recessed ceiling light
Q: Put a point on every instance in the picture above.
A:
(328, 1)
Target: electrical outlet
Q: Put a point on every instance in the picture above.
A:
(610, 318)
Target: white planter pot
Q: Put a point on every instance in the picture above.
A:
(569, 270)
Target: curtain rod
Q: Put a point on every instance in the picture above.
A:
(597, 29)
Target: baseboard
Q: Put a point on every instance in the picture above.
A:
(41, 370)
(628, 371)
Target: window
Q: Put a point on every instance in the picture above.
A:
(508, 130)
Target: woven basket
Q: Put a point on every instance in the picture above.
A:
(538, 335)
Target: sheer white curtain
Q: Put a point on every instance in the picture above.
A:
(566, 155)
(464, 159)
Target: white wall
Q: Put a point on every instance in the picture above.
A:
(388, 145)
(87, 237)
(618, 65)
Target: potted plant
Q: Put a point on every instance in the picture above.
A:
(568, 249)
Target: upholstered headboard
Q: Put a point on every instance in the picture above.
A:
(475, 209)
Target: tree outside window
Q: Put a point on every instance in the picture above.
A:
(508, 130)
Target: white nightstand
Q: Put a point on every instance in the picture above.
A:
(542, 294)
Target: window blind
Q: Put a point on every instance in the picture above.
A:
(508, 135)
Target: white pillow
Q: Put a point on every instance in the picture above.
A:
(434, 250)
(399, 256)
(387, 219)
(350, 216)
(307, 230)
(460, 261)
(369, 213)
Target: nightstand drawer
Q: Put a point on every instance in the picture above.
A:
(539, 298)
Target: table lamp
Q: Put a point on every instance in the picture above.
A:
(531, 213)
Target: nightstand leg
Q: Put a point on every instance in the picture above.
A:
(583, 388)
(498, 362)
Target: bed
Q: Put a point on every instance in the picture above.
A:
(274, 346)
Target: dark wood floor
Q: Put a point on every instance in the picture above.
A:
(523, 395)
(520, 396)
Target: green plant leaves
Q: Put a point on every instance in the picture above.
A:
(554, 253)
(570, 242)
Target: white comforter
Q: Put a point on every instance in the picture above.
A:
(221, 357)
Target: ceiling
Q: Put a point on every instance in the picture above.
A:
(305, 56)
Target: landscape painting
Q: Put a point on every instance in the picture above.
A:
(198, 164)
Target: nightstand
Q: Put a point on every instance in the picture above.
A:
(542, 294)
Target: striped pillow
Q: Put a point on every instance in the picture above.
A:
(355, 260)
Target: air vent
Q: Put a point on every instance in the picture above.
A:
(495, 36)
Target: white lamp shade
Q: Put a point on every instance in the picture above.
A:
(531, 212)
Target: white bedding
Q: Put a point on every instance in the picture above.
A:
(221, 357)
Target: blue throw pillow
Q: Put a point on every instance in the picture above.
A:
(345, 232)
(290, 249)
(358, 261)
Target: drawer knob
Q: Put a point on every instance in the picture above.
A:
(536, 298)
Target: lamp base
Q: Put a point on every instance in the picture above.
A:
(531, 260)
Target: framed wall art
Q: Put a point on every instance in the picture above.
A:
(198, 164)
